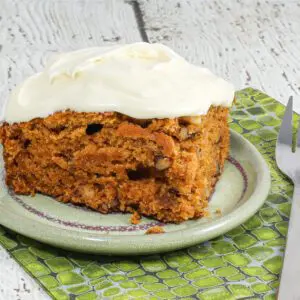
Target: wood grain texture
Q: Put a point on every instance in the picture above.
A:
(251, 43)
(15, 283)
(66, 24)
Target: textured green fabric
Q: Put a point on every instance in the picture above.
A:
(243, 264)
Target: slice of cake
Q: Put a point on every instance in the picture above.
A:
(131, 128)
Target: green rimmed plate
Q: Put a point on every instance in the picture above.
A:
(241, 191)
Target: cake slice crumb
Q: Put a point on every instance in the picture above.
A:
(218, 211)
(155, 230)
(111, 163)
(135, 218)
(206, 213)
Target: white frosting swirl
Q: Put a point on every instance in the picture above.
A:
(140, 80)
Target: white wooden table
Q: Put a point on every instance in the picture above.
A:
(251, 43)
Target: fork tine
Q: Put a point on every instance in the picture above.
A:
(286, 130)
(298, 135)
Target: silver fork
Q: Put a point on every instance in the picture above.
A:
(289, 163)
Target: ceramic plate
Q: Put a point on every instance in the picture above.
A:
(240, 192)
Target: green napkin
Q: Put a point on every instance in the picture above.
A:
(242, 264)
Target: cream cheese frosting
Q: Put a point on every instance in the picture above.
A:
(140, 80)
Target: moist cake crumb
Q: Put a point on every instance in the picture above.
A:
(218, 211)
(162, 168)
(135, 218)
(155, 230)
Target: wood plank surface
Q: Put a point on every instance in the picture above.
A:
(66, 24)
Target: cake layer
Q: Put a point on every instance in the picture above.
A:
(164, 168)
